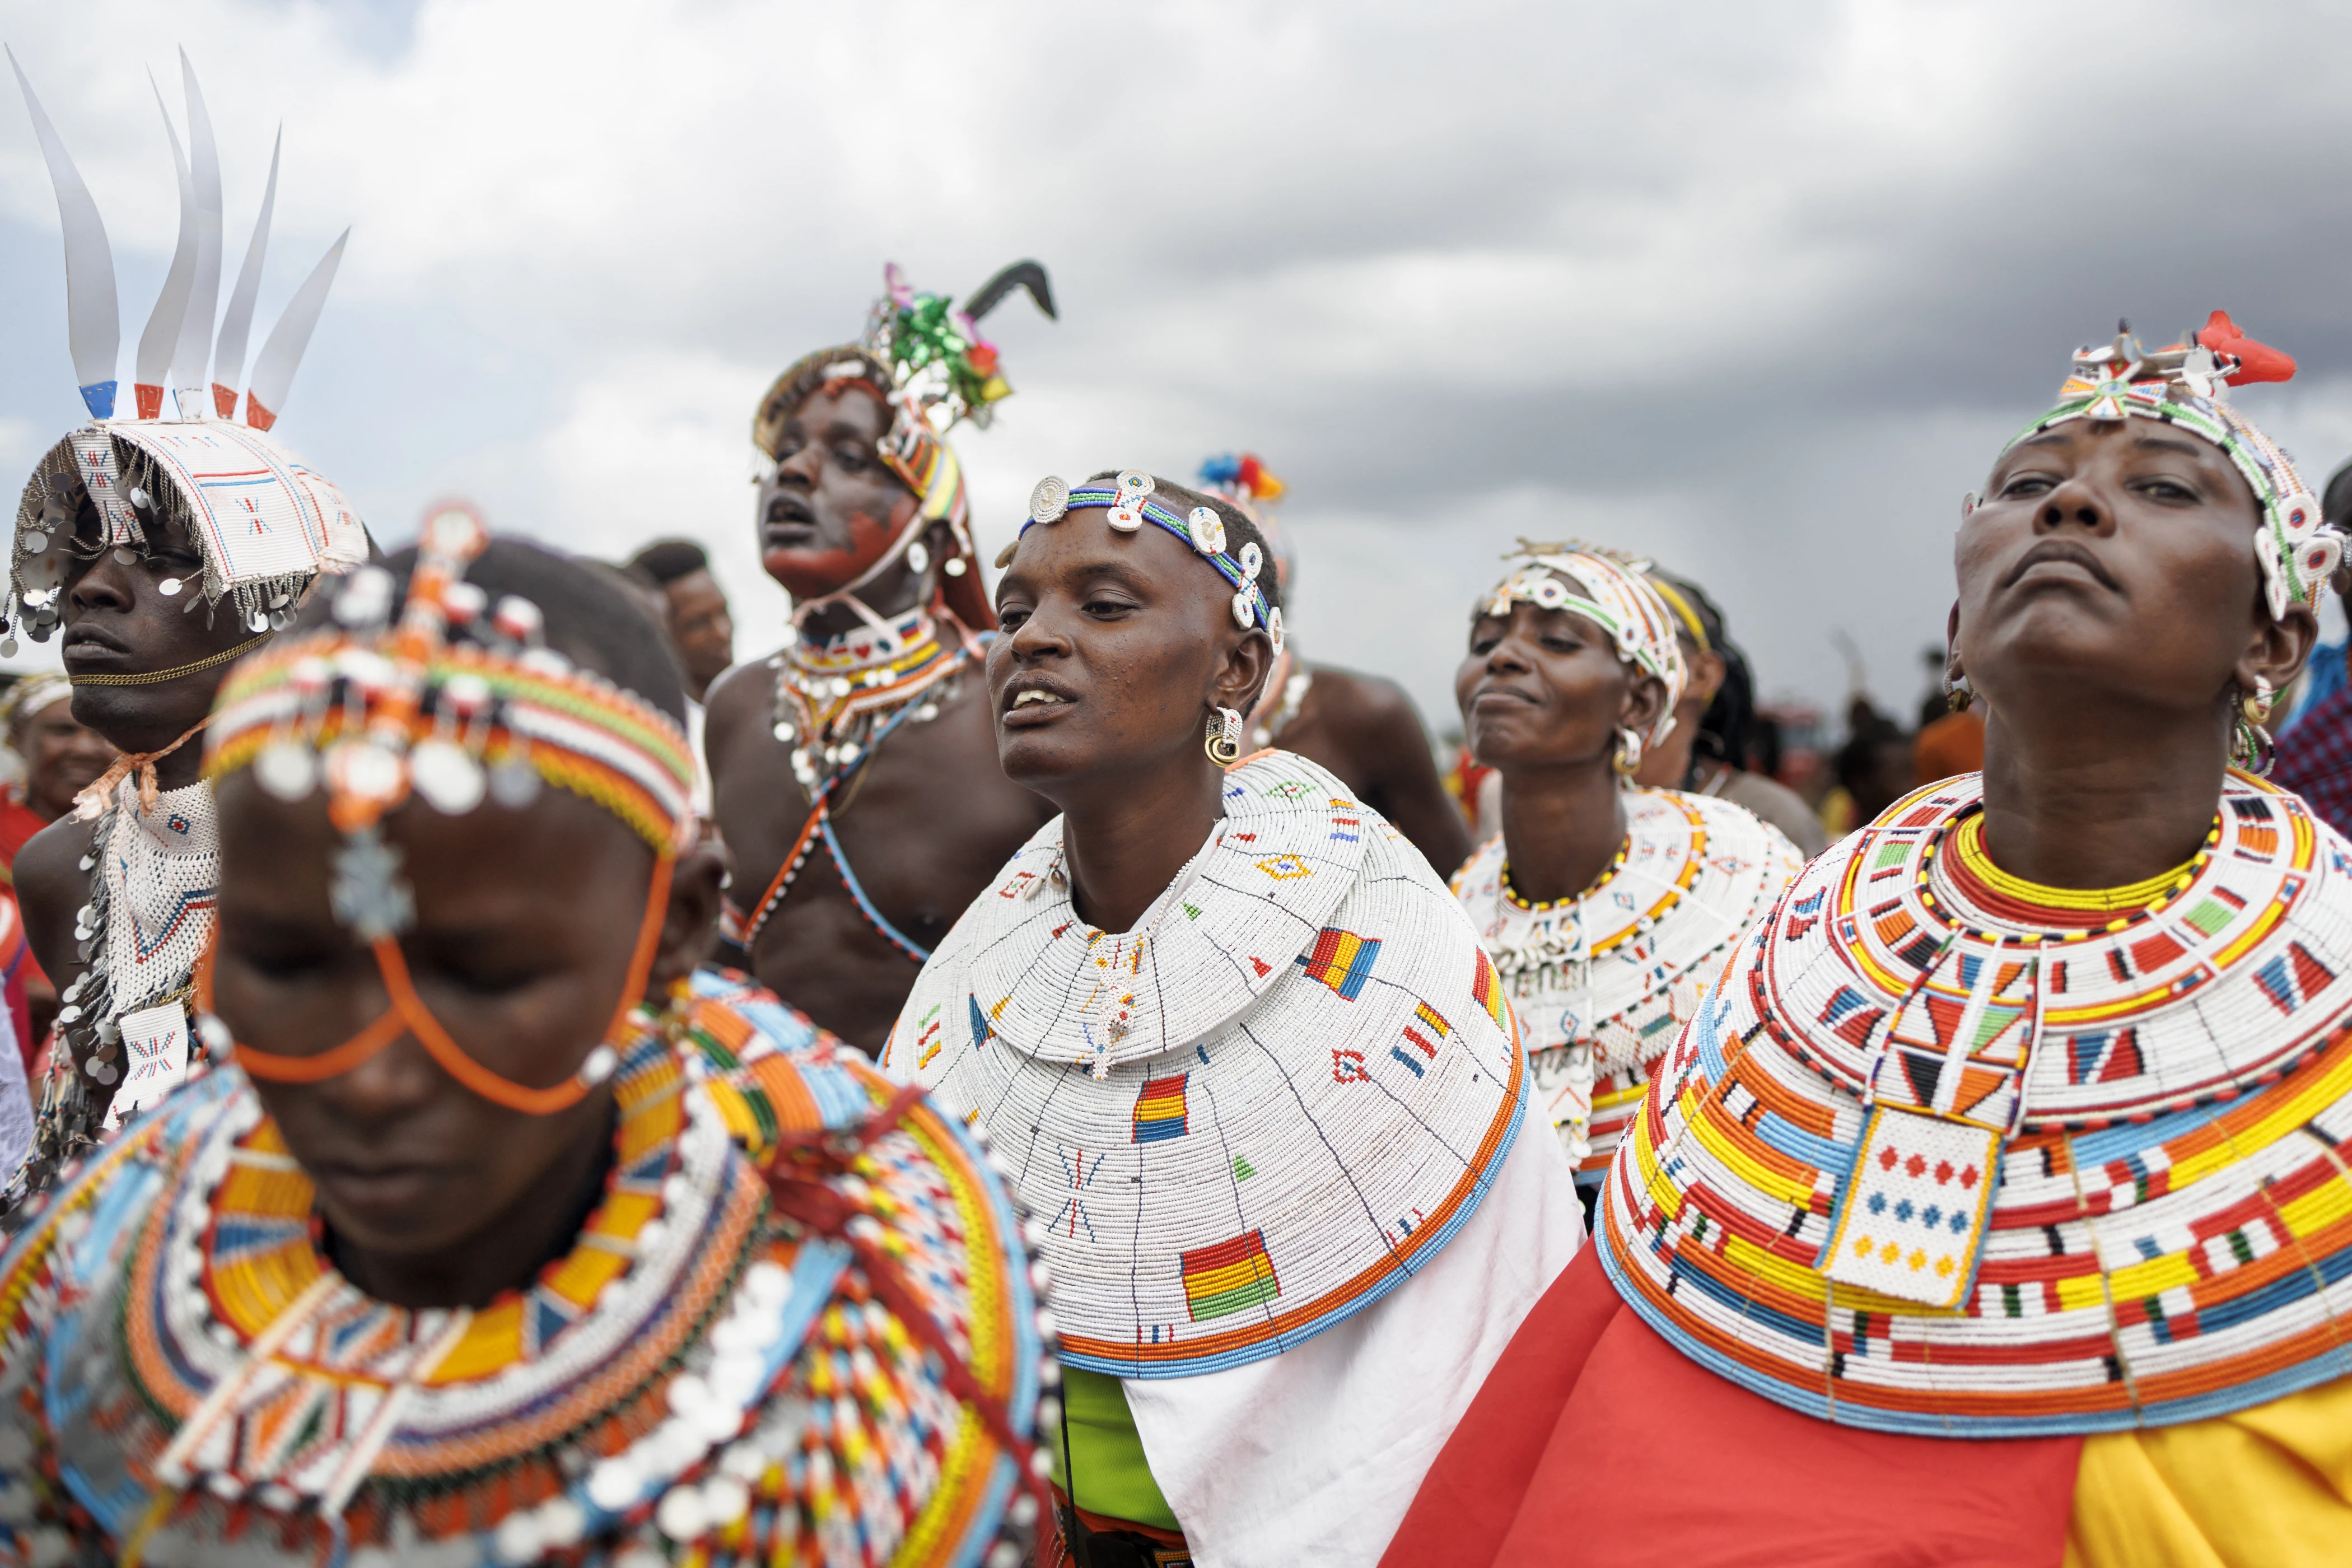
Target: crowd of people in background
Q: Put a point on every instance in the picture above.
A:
(1035, 1068)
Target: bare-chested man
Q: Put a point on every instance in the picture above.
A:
(1362, 728)
(855, 771)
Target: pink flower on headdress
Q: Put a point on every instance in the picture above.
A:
(895, 284)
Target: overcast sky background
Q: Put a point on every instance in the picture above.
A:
(1756, 288)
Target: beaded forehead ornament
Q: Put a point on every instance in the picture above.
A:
(1622, 602)
(377, 716)
(2189, 385)
(263, 525)
(1131, 503)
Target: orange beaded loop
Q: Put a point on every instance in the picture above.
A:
(408, 1014)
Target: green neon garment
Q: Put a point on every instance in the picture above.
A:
(1113, 1479)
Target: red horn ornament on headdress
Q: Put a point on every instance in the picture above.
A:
(2256, 361)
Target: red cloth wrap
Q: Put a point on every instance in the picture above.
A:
(1594, 1442)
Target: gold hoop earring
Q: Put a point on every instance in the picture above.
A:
(1628, 760)
(2256, 704)
(1224, 742)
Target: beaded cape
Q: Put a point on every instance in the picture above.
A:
(1602, 982)
(1952, 1155)
(699, 1377)
(1254, 1115)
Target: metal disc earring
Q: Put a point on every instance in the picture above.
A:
(1224, 742)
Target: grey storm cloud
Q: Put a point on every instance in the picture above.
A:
(1759, 289)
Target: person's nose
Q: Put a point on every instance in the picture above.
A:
(107, 584)
(2074, 504)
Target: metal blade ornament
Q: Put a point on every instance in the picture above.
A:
(93, 320)
(162, 337)
(193, 348)
(237, 327)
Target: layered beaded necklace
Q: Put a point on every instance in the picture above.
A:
(834, 697)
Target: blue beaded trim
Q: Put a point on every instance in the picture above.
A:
(1156, 511)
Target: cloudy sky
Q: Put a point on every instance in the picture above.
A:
(1756, 288)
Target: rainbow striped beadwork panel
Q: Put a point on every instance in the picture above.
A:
(1952, 1155)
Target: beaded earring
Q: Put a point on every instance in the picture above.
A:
(1224, 742)
(1628, 760)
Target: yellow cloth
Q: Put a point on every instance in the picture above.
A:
(2266, 1487)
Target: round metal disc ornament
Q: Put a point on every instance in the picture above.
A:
(447, 775)
(169, 588)
(32, 542)
(286, 769)
(1049, 499)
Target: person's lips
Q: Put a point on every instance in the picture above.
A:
(790, 523)
(377, 1189)
(87, 647)
(2060, 558)
(1505, 696)
(1034, 699)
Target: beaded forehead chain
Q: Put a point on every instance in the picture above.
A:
(1622, 602)
(376, 716)
(2188, 385)
(1131, 503)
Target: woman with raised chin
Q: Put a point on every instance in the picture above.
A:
(1243, 1056)
(1992, 1209)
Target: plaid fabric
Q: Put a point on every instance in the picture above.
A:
(2315, 758)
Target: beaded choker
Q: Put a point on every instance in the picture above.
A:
(1970, 864)
(834, 697)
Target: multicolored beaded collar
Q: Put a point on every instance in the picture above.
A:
(1944, 1155)
(799, 1327)
(1603, 981)
(2189, 385)
(1130, 504)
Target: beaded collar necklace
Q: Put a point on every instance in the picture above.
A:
(834, 698)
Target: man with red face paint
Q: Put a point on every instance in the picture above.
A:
(855, 771)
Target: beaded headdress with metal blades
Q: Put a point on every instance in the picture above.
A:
(927, 362)
(1131, 503)
(1622, 601)
(2188, 385)
(458, 703)
(263, 525)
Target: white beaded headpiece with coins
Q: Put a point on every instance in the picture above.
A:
(263, 525)
(1618, 598)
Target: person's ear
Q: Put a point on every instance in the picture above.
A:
(2276, 650)
(689, 930)
(1706, 673)
(1241, 675)
(1645, 699)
